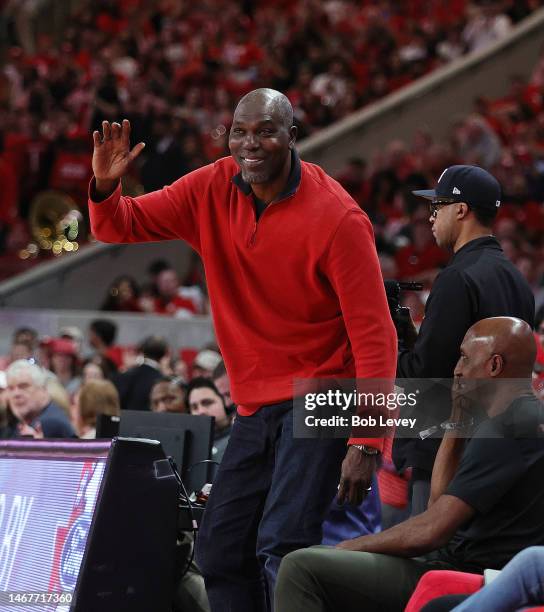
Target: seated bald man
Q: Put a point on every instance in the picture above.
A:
(487, 498)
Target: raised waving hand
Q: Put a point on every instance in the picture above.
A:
(112, 154)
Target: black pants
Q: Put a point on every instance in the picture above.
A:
(270, 496)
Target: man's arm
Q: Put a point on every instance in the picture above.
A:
(451, 448)
(420, 534)
(448, 315)
(445, 465)
(352, 267)
(168, 214)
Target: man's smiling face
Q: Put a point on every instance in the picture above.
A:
(260, 141)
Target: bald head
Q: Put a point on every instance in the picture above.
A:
(261, 140)
(267, 101)
(508, 340)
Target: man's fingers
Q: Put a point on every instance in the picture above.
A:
(359, 494)
(115, 130)
(125, 133)
(136, 151)
(97, 140)
(106, 130)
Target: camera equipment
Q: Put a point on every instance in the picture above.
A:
(400, 314)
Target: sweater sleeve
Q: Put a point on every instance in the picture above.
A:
(353, 270)
(168, 214)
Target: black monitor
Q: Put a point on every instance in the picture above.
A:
(186, 438)
(90, 526)
(107, 426)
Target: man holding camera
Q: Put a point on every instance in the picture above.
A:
(479, 282)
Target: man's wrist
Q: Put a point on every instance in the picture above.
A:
(103, 188)
(366, 450)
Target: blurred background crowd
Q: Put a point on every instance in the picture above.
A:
(176, 70)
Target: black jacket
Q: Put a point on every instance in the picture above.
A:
(134, 387)
(479, 282)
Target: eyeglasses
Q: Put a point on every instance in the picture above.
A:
(438, 203)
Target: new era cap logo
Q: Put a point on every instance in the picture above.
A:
(497, 203)
(456, 191)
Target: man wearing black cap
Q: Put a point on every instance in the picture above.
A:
(479, 282)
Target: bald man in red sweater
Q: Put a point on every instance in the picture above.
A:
(296, 292)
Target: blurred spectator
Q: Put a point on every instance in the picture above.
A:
(168, 300)
(98, 368)
(23, 346)
(101, 336)
(154, 269)
(27, 335)
(204, 398)
(33, 411)
(57, 392)
(486, 25)
(25, 14)
(354, 180)
(167, 396)
(165, 161)
(94, 397)
(527, 266)
(181, 371)
(477, 143)
(452, 46)
(222, 382)
(205, 363)
(65, 365)
(135, 384)
(91, 371)
(18, 350)
(73, 333)
(122, 296)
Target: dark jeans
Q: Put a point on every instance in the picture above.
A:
(270, 496)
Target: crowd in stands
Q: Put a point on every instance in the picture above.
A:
(177, 69)
(50, 388)
(503, 135)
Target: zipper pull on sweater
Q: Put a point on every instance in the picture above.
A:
(251, 240)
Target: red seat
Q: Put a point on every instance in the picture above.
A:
(443, 582)
(438, 583)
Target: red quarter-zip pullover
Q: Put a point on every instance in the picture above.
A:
(296, 294)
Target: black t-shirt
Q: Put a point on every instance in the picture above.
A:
(501, 475)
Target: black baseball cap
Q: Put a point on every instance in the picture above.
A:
(469, 184)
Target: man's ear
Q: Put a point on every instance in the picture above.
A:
(496, 364)
(293, 130)
(463, 210)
